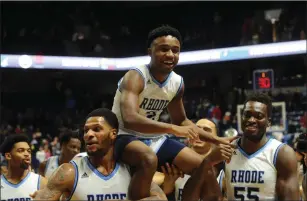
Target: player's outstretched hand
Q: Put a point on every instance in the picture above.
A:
(219, 153)
(226, 141)
(190, 132)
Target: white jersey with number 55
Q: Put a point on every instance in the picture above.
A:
(152, 100)
(253, 177)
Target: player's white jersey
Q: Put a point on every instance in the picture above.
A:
(253, 177)
(20, 191)
(179, 185)
(81, 154)
(51, 165)
(90, 184)
(153, 99)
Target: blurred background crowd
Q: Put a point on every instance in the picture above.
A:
(43, 103)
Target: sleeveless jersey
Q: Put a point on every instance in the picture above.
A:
(253, 177)
(81, 154)
(20, 191)
(179, 185)
(154, 98)
(51, 165)
(91, 185)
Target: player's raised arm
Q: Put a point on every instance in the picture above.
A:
(61, 181)
(131, 87)
(287, 186)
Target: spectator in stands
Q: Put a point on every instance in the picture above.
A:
(217, 114)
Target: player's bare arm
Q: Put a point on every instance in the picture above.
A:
(131, 86)
(41, 168)
(287, 185)
(61, 181)
(43, 182)
(156, 193)
(178, 117)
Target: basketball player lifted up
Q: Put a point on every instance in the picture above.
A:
(96, 176)
(70, 146)
(19, 182)
(142, 94)
(262, 168)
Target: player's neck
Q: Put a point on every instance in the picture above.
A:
(160, 77)
(16, 174)
(251, 147)
(104, 164)
(63, 159)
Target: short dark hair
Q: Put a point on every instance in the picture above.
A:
(109, 116)
(163, 30)
(11, 140)
(65, 136)
(216, 126)
(262, 98)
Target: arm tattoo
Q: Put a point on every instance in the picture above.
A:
(54, 187)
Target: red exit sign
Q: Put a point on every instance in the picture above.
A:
(263, 79)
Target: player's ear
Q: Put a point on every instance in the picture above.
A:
(113, 133)
(7, 156)
(149, 51)
(269, 122)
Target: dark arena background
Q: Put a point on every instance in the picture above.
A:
(60, 60)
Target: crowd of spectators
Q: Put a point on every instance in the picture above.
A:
(119, 30)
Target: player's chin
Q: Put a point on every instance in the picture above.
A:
(253, 136)
(168, 68)
(24, 165)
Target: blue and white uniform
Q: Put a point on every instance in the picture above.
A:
(92, 185)
(154, 98)
(253, 177)
(20, 191)
(51, 165)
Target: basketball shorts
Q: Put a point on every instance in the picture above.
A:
(165, 147)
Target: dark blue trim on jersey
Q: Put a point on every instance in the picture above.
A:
(38, 182)
(120, 81)
(180, 87)
(257, 152)
(16, 185)
(75, 180)
(276, 153)
(158, 83)
(140, 72)
(46, 168)
(106, 178)
(221, 180)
